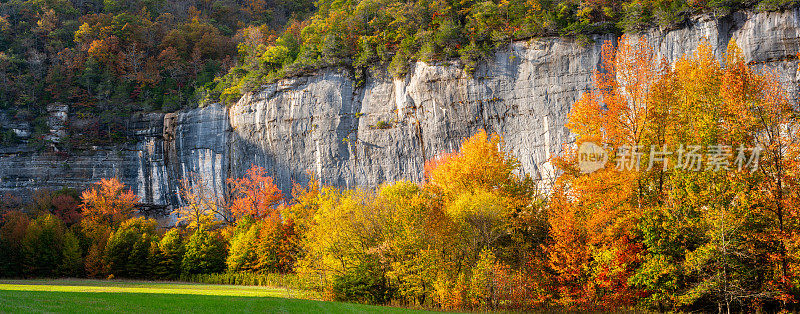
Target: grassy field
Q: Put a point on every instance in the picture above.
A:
(146, 297)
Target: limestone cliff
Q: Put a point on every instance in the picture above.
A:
(384, 129)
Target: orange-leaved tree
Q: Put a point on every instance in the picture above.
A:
(104, 207)
(254, 195)
(108, 202)
(758, 111)
(738, 208)
(592, 216)
(480, 164)
(673, 220)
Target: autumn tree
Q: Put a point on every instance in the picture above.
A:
(66, 206)
(108, 202)
(412, 236)
(304, 205)
(592, 215)
(484, 203)
(254, 195)
(242, 255)
(203, 204)
(481, 189)
(745, 217)
(715, 216)
(104, 207)
(63, 203)
(343, 249)
(278, 246)
(480, 164)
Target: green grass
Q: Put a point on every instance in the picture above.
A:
(147, 297)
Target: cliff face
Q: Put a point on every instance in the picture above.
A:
(383, 130)
(386, 129)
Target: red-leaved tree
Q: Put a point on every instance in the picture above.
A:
(254, 195)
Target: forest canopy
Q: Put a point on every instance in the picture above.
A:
(109, 59)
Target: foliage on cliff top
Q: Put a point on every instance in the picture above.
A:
(365, 34)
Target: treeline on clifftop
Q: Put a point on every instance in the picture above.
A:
(647, 230)
(383, 34)
(108, 59)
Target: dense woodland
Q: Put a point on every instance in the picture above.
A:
(478, 234)
(109, 59)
